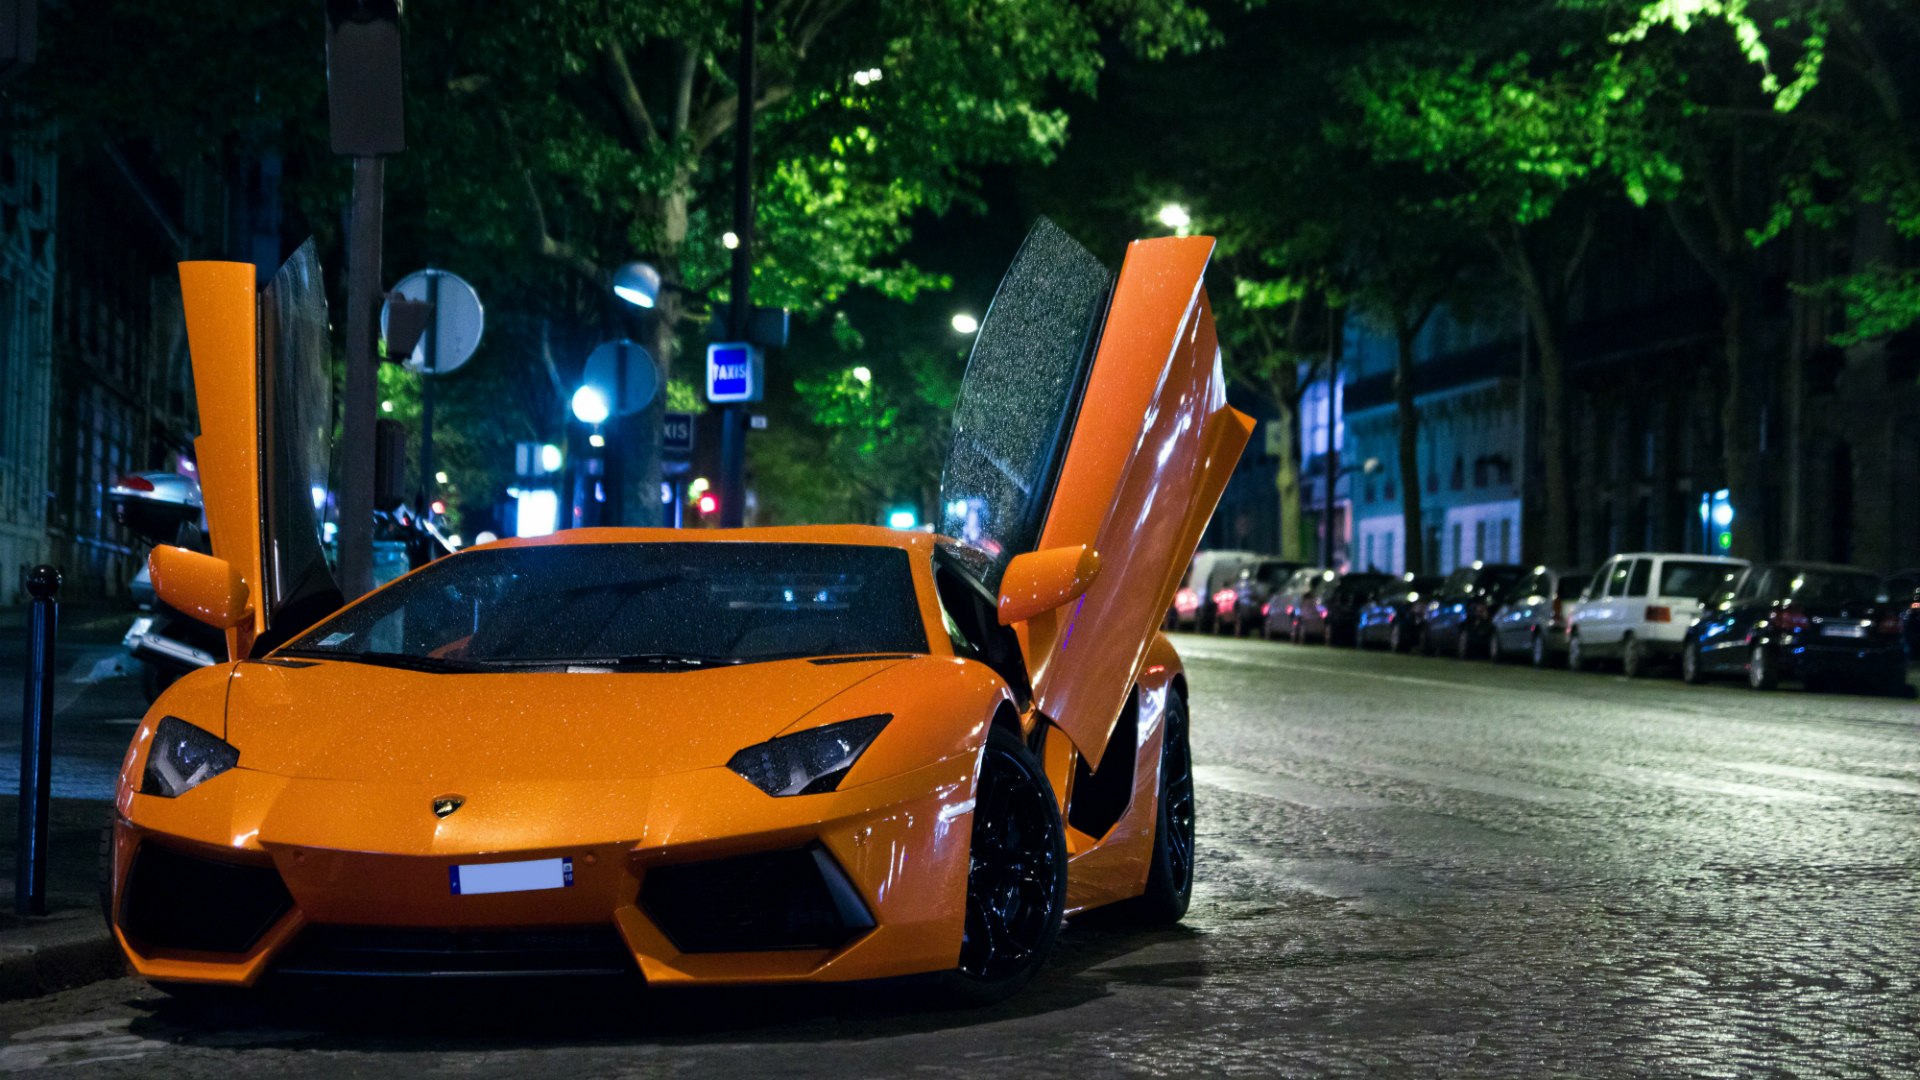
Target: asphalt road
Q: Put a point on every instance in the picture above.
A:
(1407, 867)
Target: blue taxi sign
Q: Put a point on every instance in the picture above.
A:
(733, 372)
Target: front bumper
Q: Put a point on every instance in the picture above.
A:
(675, 871)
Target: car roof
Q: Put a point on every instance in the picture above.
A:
(857, 535)
(1679, 555)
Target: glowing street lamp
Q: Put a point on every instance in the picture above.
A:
(590, 406)
(964, 323)
(638, 284)
(1175, 217)
(863, 375)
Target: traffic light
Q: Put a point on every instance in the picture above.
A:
(1716, 521)
(708, 504)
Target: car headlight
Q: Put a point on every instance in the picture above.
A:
(807, 762)
(183, 757)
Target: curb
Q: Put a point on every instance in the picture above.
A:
(64, 951)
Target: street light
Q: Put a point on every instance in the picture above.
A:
(730, 239)
(590, 406)
(1175, 217)
(638, 284)
(964, 323)
(863, 375)
(549, 458)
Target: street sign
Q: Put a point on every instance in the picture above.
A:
(734, 372)
(453, 333)
(676, 433)
(625, 374)
(766, 327)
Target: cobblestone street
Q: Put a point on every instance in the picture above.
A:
(1407, 867)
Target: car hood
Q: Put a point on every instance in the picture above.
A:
(350, 721)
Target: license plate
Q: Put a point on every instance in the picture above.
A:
(1851, 630)
(531, 875)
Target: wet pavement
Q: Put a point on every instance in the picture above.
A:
(1408, 866)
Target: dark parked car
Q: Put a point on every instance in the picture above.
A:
(1532, 624)
(1392, 616)
(1460, 618)
(1902, 590)
(1334, 614)
(1251, 592)
(1816, 622)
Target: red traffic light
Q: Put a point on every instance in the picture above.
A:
(708, 504)
(438, 506)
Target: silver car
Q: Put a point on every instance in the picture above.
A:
(1532, 623)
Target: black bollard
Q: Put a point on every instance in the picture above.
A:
(36, 744)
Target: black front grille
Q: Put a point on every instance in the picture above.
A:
(395, 951)
(178, 901)
(775, 900)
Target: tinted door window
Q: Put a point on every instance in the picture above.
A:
(1617, 580)
(1597, 588)
(1641, 578)
(1685, 577)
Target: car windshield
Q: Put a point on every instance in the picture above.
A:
(633, 604)
(1682, 577)
(1831, 586)
(1359, 586)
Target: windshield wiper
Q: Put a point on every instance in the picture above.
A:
(667, 660)
(409, 661)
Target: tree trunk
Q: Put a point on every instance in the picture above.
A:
(1286, 472)
(1739, 423)
(1410, 487)
(1556, 548)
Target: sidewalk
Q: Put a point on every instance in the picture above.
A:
(95, 709)
(70, 945)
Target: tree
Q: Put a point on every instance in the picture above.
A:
(552, 140)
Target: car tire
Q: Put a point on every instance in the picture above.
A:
(1633, 659)
(1170, 866)
(1396, 640)
(1537, 649)
(1017, 876)
(1576, 654)
(1761, 674)
(1495, 654)
(1691, 672)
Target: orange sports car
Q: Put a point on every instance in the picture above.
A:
(765, 755)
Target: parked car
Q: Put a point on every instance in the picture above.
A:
(1816, 622)
(1902, 589)
(1533, 621)
(1460, 615)
(1192, 606)
(1637, 607)
(1392, 616)
(1300, 593)
(1252, 590)
(1335, 613)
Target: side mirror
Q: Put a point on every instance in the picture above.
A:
(201, 586)
(1041, 581)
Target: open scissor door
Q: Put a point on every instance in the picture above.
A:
(1093, 412)
(265, 397)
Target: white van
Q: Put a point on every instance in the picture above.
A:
(1193, 605)
(1638, 605)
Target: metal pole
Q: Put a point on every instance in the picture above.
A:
(427, 376)
(362, 384)
(733, 418)
(36, 744)
(1333, 451)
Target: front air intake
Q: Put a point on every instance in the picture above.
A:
(752, 903)
(178, 901)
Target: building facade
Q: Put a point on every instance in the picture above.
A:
(29, 204)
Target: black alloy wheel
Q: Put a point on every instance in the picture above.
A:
(1016, 874)
(1576, 654)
